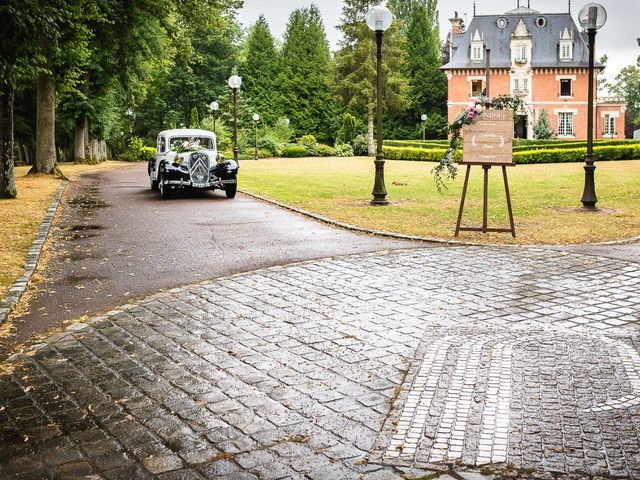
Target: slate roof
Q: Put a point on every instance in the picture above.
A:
(545, 40)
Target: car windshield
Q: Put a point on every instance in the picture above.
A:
(191, 143)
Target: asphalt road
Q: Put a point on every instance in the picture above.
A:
(115, 240)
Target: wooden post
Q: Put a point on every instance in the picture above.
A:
(464, 194)
(485, 196)
(506, 191)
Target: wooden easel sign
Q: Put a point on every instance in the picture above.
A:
(488, 142)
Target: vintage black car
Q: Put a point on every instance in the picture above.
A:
(188, 158)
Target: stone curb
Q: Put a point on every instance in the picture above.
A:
(33, 256)
(414, 238)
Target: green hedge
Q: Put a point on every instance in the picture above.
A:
(533, 145)
(416, 143)
(543, 155)
(562, 155)
(418, 154)
(294, 151)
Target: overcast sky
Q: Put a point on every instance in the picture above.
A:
(617, 38)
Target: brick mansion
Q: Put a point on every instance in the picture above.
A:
(542, 58)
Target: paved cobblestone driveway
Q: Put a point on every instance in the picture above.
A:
(371, 366)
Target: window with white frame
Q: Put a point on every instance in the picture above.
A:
(566, 50)
(521, 53)
(521, 85)
(609, 124)
(476, 52)
(565, 124)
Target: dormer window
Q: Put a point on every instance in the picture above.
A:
(566, 46)
(521, 54)
(566, 51)
(476, 52)
(477, 47)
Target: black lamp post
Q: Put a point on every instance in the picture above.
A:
(214, 106)
(592, 17)
(379, 19)
(256, 119)
(234, 83)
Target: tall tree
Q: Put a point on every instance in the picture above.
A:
(356, 65)
(260, 72)
(627, 85)
(63, 52)
(202, 64)
(25, 22)
(427, 84)
(305, 79)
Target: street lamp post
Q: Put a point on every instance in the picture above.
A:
(592, 17)
(379, 19)
(234, 83)
(423, 117)
(214, 106)
(256, 119)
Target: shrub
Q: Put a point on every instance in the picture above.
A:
(223, 135)
(281, 132)
(309, 142)
(542, 129)
(344, 150)
(268, 144)
(136, 151)
(348, 127)
(323, 150)
(360, 145)
(194, 118)
(294, 151)
(148, 153)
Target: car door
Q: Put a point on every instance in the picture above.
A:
(161, 153)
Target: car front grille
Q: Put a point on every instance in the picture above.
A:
(199, 169)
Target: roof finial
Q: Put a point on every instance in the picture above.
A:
(569, 6)
(474, 8)
(529, 4)
(518, 3)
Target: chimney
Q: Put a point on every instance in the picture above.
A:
(457, 25)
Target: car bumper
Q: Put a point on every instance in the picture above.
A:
(180, 177)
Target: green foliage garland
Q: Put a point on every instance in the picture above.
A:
(447, 168)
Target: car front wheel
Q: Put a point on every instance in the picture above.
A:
(230, 189)
(165, 190)
(154, 183)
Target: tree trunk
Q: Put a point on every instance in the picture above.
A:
(7, 174)
(87, 154)
(370, 144)
(45, 125)
(79, 147)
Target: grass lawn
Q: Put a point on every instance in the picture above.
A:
(21, 217)
(544, 198)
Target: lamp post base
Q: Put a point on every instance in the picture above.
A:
(379, 191)
(589, 198)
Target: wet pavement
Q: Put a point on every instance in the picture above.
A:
(115, 240)
(406, 363)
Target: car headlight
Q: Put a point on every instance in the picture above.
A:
(231, 165)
